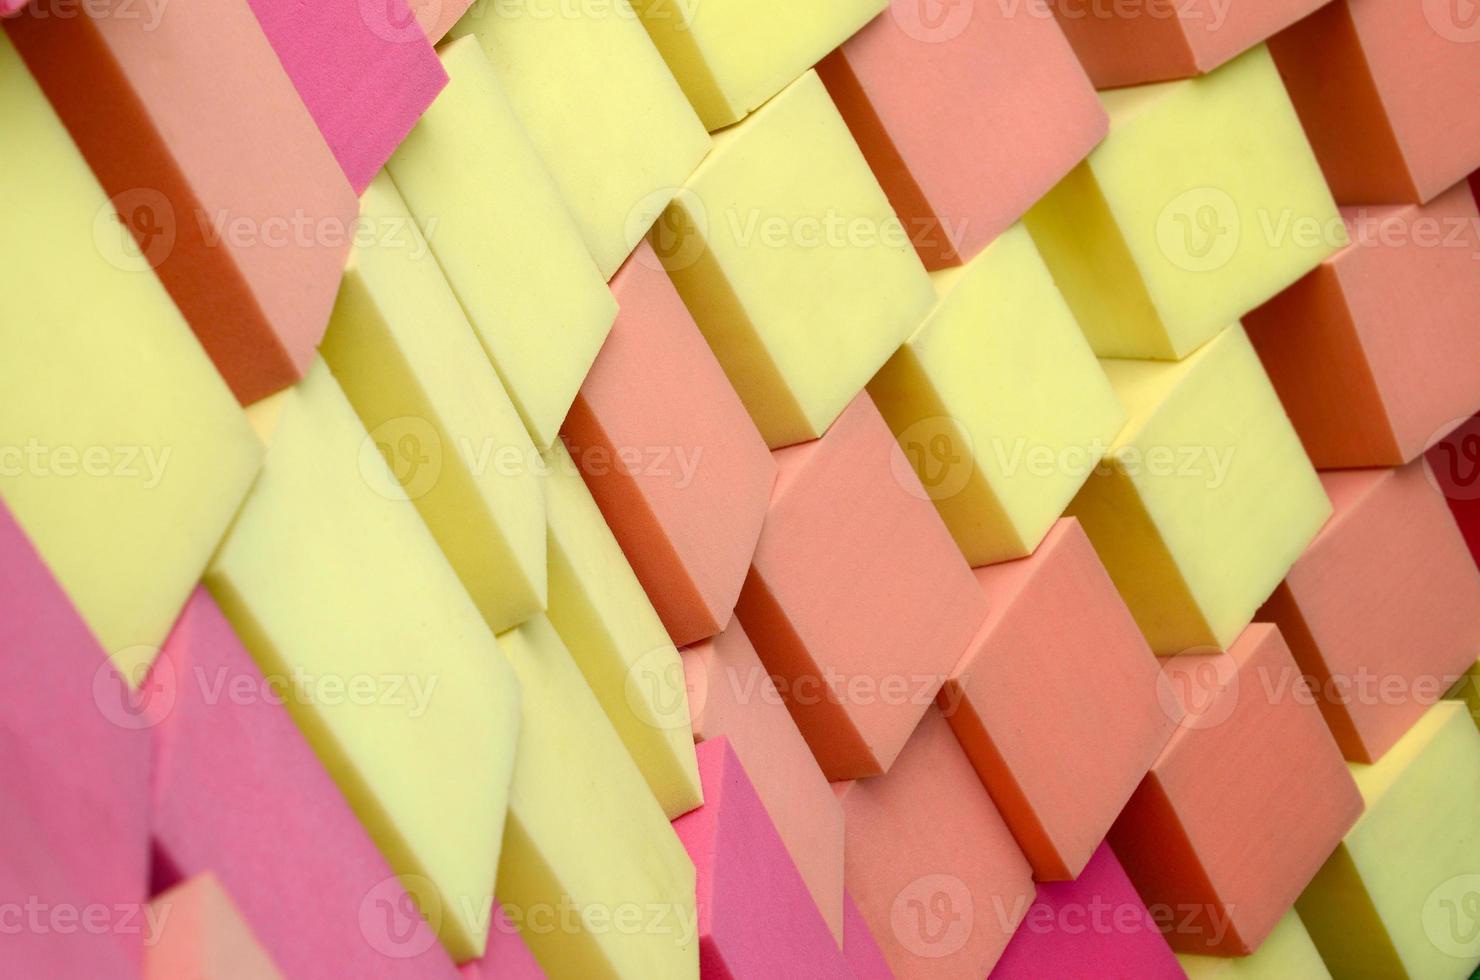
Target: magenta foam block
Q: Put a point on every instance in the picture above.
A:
(74, 767)
(365, 70)
(1093, 927)
(756, 917)
(860, 948)
(505, 957)
(238, 792)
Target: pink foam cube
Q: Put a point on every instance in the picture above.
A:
(858, 601)
(930, 862)
(732, 697)
(74, 764)
(1382, 611)
(966, 119)
(204, 937)
(756, 918)
(366, 72)
(1092, 927)
(1055, 701)
(1387, 94)
(238, 792)
(864, 957)
(670, 455)
(1374, 352)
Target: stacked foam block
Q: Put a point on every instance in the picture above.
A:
(740, 490)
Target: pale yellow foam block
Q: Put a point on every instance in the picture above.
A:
(609, 120)
(732, 55)
(505, 240)
(998, 401)
(1203, 202)
(405, 355)
(1399, 896)
(591, 868)
(1206, 498)
(616, 638)
(336, 588)
(793, 264)
(122, 453)
(1286, 954)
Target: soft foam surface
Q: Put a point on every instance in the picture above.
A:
(204, 937)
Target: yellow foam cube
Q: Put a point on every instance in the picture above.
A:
(611, 629)
(1401, 896)
(505, 241)
(591, 869)
(123, 455)
(793, 264)
(612, 125)
(1206, 497)
(1468, 691)
(998, 402)
(404, 353)
(335, 587)
(732, 55)
(1203, 202)
(1286, 954)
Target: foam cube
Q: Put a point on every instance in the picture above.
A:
(998, 402)
(933, 868)
(1129, 45)
(756, 917)
(678, 469)
(1397, 899)
(857, 600)
(615, 637)
(864, 957)
(387, 659)
(1058, 634)
(1005, 97)
(505, 956)
(609, 121)
(436, 17)
(400, 346)
(590, 865)
(74, 761)
(1243, 805)
(796, 269)
(1205, 499)
(122, 447)
(1371, 352)
(1203, 202)
(535, 299)
(1454, 462)
(1387, 94)
(1383, 609)
(1093, 926)
(203, 936)
(237, 792)
(365, 72)
(216, 176)
(1287, 952)
(732, 55)
(732, 697)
